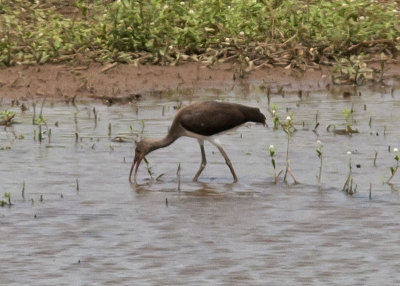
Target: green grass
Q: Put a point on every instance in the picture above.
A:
(168, 32)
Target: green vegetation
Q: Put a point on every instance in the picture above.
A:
(7, 196)
(7, 117)
(253, 32)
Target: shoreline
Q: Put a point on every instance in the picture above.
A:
(126, 83)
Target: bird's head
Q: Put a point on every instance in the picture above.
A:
(142, 149)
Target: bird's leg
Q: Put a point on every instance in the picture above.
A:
(227, 160)
(203, 160)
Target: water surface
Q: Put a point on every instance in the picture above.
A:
(212, 232)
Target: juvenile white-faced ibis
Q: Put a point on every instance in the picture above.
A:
(203, 121)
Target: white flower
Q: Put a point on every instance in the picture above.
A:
(241, 33)
(271, 147)
(348, 153)
(319, 142)
(395, 149)
(227, 40)
(288, 118)
(165, 7)
(361, 18)
(182, 3)
(191, 11)
(170, 47)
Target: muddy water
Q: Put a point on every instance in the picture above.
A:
(212, 232)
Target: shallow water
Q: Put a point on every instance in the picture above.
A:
(207, 233)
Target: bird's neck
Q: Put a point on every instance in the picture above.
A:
(160, 143)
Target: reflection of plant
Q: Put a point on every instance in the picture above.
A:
(348, 185)
(319, 154)
(393, 170)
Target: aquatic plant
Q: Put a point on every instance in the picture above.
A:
(393, 170)
(148, 167)
(95, 117)
(370, 120)
(319, 154)
(178, 175)
(274, 114)
(289, 129)
(7, 201)
(348, 116)
(272, 155)
(142, 123)
(159, 177)
(7, 117)
(23, 190)
(39, 121)
(348, 185)
(7, 147)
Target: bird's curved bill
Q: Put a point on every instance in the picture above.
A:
(135, 165)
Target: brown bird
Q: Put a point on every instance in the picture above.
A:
(203, 121)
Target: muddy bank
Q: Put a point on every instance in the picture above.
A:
(127, 82)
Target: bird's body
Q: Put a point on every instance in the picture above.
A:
(203, 121)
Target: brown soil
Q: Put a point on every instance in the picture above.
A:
(125, 83)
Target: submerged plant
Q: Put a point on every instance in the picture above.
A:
(319, 154)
